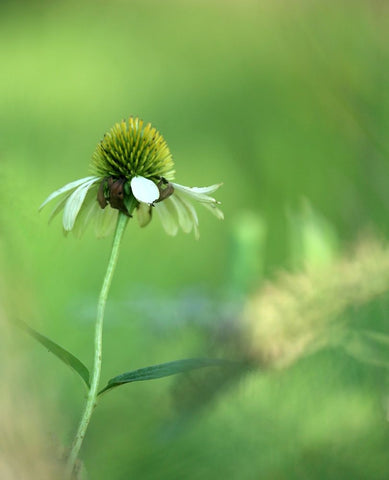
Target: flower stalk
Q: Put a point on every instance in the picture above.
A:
(96, 371)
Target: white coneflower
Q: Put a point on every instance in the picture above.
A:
(133, 170)
(300, 312)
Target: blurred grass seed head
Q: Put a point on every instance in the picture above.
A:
(133, 170)
(300, 312)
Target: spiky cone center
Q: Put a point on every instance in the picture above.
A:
(130, 149)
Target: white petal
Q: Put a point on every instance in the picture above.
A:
(203, 190)
(88, 210)
(193, 213)
(105, 221)
(216, 211)
(185, 218)
(195, 193)
(143, 213)
(74, 204)
(196, 232)
(168, 215)
(144, 190)
(66, 188)
(59, 207)
(85, 217)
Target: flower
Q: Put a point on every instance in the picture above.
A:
(133, 170)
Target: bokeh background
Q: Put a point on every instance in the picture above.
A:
(285, 102)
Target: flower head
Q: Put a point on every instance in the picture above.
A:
(133, 171)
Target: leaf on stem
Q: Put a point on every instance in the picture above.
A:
(68, 358)
(162, 370)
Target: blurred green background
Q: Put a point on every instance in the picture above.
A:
(287, 103)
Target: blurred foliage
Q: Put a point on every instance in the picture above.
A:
(282, 101)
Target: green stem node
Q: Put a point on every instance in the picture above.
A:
(95, 378)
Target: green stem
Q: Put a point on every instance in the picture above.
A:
(92, 394)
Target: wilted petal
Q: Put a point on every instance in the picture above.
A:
(144, 190)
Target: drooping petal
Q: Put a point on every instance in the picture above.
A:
(105, 221)
(214, 210)
(201, 190)
(185, 212)
(144, 190)
(88, 210)
(143, 213)
(74, 204)
(185, 218)
(193, 214)
(67, 187)
(85, 218)
(197, 193)
(168, 216)
(59, 207)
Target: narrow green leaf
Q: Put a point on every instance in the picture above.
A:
(69, 359)
(162, 370)
(368, 346)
